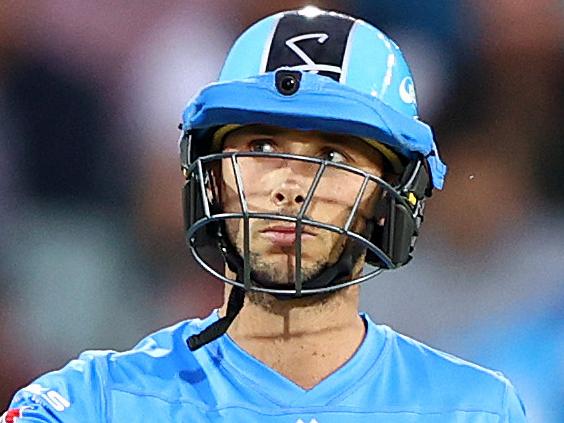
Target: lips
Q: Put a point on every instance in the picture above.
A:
(285, 235)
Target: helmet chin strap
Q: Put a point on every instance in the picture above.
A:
(219, 327)
(327, 277)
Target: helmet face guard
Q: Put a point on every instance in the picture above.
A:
(387, 237)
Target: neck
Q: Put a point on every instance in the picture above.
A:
(304, 339)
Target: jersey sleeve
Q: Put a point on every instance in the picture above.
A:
(73, 394)
(514, 408)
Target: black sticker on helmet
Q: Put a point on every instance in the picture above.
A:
(315, 44)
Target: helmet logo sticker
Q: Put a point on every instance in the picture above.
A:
(407, 90)
(316, 45)
(309, 63)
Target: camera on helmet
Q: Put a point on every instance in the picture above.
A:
(288, 82)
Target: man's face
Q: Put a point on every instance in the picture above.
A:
(280, 186)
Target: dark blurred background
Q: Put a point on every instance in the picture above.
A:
(91, 245)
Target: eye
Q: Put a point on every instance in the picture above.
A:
(334, 156)
(261, 146)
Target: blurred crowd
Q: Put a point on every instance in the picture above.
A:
(92, 253)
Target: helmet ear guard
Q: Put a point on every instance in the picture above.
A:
(397, 225)
(194, 205)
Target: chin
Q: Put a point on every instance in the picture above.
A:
(273, 265)
(279, 270)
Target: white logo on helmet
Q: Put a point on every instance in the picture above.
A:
(309, 64)
(407, 90)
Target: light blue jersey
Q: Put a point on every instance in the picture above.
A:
(391, 379)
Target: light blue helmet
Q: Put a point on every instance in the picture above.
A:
(353, 79)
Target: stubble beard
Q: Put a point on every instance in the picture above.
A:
(282, 272)
(279, 269)
(279, 273)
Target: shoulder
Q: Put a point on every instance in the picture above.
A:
(156, 359)
(77, 392)
(442, 380)
(430, 365)
(73, 392)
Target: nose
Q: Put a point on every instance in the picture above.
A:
(289, 194)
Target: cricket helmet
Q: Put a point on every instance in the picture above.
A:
(311, 70)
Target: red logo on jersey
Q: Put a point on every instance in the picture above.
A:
(11, 416)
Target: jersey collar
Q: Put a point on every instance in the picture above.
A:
(256, 376)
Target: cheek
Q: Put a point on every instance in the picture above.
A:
(231, 198)
(372, 195)
(234, 232)
(258, 177)
(336, 196)
(342, 187)
(328, 212)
